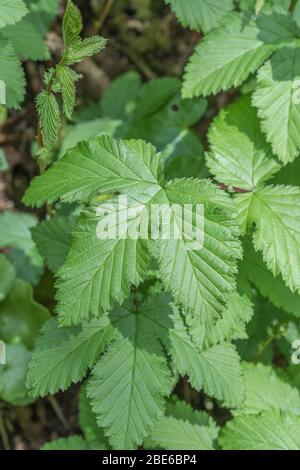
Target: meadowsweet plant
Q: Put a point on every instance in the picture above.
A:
(177, 344)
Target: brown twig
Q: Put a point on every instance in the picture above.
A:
(104, 14)
(3, 433)
(59, 413)
(226, 187)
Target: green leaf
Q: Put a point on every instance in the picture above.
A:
(67, 79)
(27, 40)
(20, 316)
(199, 279)
(230, 327)
(126, 88)
(275, 213)
(100, 272)
(268, 431)
(130, 381)
(67, 443)
(93, 434)
(53, 238)
(15, 233)
(259, 5)
(72, 24)
(239, 155)
(217, 369)
(26, 269)
(12, 375)
(3, 162)
(226, 56)
(202, 15)
(178, 434)
(7, 276)
(133, 167)
(86, 131)
(266, 391)
(278, 102)
(87, 47)
(182, 410)
(102, 164)
(63, 355)
(12, 74)
(48, 6)
(269, 286)
(49, 116)
(12, 11)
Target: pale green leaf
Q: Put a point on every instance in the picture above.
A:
(200, 15)
(265, 391)
(79, 50)
(72, 24)
(178, 434)
(102, 164)
(130, 381)
(226, 56)
(230, 327)
(49, 116)
(239, 155)
(64, 355)
(277, 100)
(199, 279)
(27, 40)
(67, 443)
(274, 211)
(216, 370)
(12, 74)
(86, 130)
(268, 431)
(100, 272)
(67, 79)
(12, 11)
(12, 375)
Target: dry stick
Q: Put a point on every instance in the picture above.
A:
(59, 413)
(3, 433)
(104, 14)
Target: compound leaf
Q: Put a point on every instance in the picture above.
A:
(63, 355)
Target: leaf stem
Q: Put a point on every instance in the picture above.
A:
(58, 411)
(276, 333)
(104, 14)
